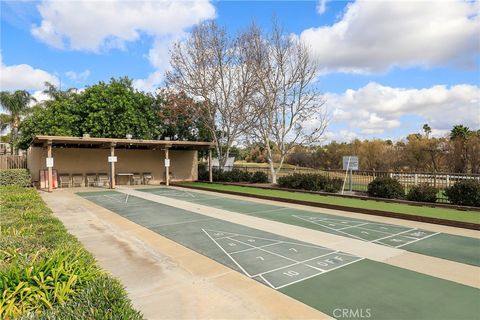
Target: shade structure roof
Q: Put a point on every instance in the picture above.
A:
(92, 142)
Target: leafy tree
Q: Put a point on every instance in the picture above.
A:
(181, 117)
(110, 110)
(16, 104)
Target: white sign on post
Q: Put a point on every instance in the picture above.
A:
(167, 162)
(350, 163)
(112, 158)
(49, 162)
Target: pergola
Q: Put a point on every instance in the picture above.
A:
(50, 142)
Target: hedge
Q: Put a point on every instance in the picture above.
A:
(235, 175)
(45, 272)
(423, 193)
(15, 177)
(385, 187)
(310, 182)
(465, 193)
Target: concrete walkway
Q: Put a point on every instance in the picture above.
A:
(166, 280)
(441, 268)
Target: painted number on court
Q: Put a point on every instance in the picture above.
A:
(291, 273)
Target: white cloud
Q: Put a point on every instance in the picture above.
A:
(373, 36)
(78, 76)
(96, 25)
(24, 77)
(149, 84)
(376, 109)
(322, 6)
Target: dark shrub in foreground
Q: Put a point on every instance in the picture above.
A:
(465, 193)
(385, 187)
(15, 177)
(259, 177)
(423, 193)
(311, 182)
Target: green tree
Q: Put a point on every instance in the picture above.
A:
(110, 110)
(16, 104)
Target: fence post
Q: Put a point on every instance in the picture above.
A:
(416, 179)
(351, 182)
(434, 179)
(448, 180)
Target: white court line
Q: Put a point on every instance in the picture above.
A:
(343, 265)
(299, 280)
(294, 264)
(351, 235)
(282, 241)
(346, 264)
(261, 275)
(431, 235)
(361, 224)
(268, 282)
(238, 265)
(393, 235)
(269, 210)
(249, 249)
(188, 221)
(126, 199)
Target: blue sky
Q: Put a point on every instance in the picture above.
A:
(387, 67)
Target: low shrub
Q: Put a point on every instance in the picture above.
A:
(101, 298)
(465, 193)
(234, 175)
(259, 177)
(385, 187)
(311, 182)
(15, 177)
(43, 268)
(423, 193)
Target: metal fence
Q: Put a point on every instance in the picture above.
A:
(13, 162)
(361, 179)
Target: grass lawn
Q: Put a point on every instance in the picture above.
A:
(442, 213)
(45, 272)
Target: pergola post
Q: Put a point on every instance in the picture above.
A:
(49, 167)
(210, 173)
(112, 166)
(167, 167)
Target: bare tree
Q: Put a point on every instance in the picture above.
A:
(288, 107)
(214, 67)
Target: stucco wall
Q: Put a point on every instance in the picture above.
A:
(183, 163)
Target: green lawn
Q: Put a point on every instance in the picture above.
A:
(442, 213)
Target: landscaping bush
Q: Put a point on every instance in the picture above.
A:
(44, 269)
(259, 177)
(465, 193)
(235, 175)
(311, 182)
(385, 187)
(423, 193)
(15, 177)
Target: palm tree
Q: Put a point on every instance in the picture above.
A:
(459, 131)
(15, 104)
(427, 129)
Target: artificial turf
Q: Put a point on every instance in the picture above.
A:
(441, 213)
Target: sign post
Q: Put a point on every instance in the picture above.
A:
(350, 163)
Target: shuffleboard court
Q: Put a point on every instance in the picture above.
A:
(441, 245)
(323, 278)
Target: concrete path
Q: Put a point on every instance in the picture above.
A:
(166, 280)
(444, 269)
